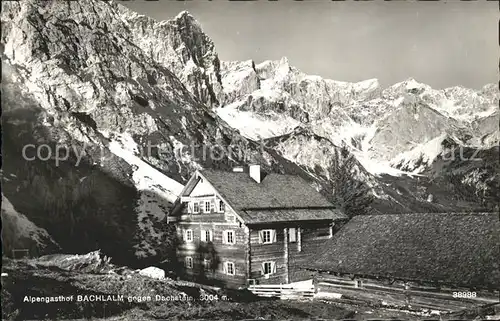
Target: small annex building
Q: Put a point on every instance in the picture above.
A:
(440, 261)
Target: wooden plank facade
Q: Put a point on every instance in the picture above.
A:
(268, 253)
(287, 252)
(248, 253)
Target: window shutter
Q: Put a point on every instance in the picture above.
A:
(203, 236)
(273, 236)
(261, 236)
(262, 269)
(211, 235)
(273, 267)
(224, 237)
(224, 267)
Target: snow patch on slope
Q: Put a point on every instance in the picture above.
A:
(157, 193)
(379, 167)
(418, 158)
(145, 176)
(257, 126)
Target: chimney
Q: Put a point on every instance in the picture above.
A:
(254, 171)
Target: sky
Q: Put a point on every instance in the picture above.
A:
(442, 43)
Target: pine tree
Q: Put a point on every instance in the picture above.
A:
(351, 195)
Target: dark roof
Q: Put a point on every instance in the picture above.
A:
(455, 249)
(282, 193)
(290, 215)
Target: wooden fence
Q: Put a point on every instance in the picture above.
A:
(283, 291)
(399, 295)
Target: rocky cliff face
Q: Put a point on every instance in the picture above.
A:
(137, 104)
(18, 232)
(76, 77)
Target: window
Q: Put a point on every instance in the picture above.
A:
(268, 268)
(229, 237)
(292, 235)
(221, 206)
(323, 232)
(212, 206)
(189, 262)
(230, 218)
(267, 236)
(196, 207)
(206, 236)
(207, 264)
(229, 268)
(207, 206)
(189, 235)
(358, 283)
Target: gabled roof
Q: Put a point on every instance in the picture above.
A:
(275, 190)
(455, 249)
(277, 198)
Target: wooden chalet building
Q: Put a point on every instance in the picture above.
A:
(242, 227)
(438, 261)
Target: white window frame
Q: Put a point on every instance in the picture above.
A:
(207, 263)
(225, 236)
(271, 234)
(325, 236)
(190, 260)
(299, 239)
(272, 267)
(196, 204)
(222, 207)
(226, 268)
(203, 236)
(205, 206)
(294, 234)
(186, 233)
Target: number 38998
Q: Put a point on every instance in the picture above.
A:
(464, 294)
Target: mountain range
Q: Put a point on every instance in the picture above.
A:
(127, 106)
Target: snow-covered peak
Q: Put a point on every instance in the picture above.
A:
(369, 84)
(185, 18)
(409, 85)
(184, 15)
(284, 62)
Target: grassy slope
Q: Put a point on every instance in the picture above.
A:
(27, 278)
